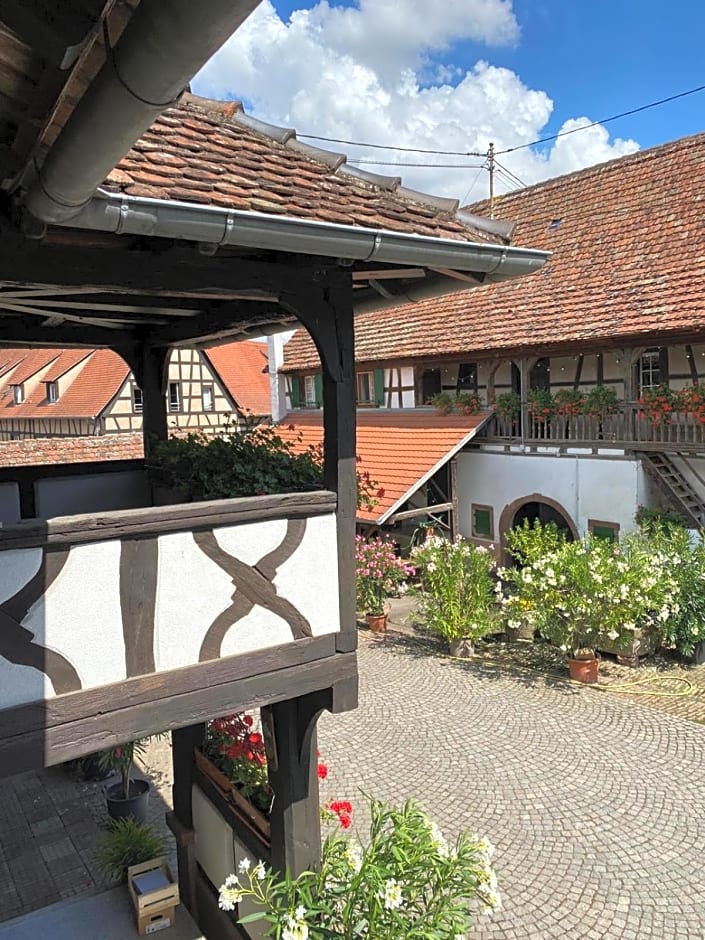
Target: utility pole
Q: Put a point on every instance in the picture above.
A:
(490, 167)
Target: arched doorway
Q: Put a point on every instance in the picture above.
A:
(534, 507)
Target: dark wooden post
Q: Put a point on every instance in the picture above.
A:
(328, 316)
(293, 774)
(150, 365)
(180, 821)
(453, 495)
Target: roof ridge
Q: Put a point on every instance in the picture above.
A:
(233, 112)
(595, 168)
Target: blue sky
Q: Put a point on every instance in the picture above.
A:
(454, 74)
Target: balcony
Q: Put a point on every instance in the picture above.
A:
(627, 429)
(163, 616)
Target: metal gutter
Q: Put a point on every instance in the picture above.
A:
(214, 226)
(160, 50)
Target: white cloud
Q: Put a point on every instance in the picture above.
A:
(373, 72)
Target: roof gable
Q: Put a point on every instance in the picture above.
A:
(244, 371)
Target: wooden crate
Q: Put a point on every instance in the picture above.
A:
(154, 894)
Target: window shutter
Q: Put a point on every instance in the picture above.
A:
(663, 366)
(379, 387)
(295, 391)
(318, 383)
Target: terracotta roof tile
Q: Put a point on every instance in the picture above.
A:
(58, 450)
(88, 394)
(628, 244)
(397, 448)
(243, 369)
(200, 150)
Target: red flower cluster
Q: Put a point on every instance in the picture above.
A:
(243, 741)
(322, 771)
(343, 810)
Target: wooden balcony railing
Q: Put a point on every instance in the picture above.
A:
(628, 428)
(122, 598)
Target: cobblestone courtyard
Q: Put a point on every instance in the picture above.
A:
(596, 805)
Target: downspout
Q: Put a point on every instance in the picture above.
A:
(163, 46)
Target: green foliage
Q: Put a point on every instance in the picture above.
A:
(600, 401)
(237, 749)
(248, 462)
(653, 520)
(659, 403)
(457, 588)
(128, 843)
(507, 405)
(531, 540)
(467, 403)
(122, 758)
(568, 401)
(686, 625)
(541, 404)
(405, 883)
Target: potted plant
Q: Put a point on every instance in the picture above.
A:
(569, 402)
(658, 404)
(468, 403)
(457, 592)
(379, 572)
(541, 404)
(507, 406)
(691, 401)
(129, 797)
(600, 400)
(126, 843)
(234, 758)
(443, 402)
(405, 881)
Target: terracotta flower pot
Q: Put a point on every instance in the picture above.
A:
(584, 669)
(376, 622)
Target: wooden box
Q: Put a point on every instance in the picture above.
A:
(154, 894)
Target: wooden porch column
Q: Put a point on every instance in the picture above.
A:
(150, 366)
(492, 368)
(180, 821)
(328, 316)
(630, 357)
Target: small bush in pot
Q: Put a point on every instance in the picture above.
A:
(379, 573)
(457, 589)
(128, 843)
(507, 406)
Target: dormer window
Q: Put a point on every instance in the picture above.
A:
(52, 392)
(18, 394)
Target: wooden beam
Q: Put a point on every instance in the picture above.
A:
(453, 487)
(183, 742)
(49, 27)
(388, 273)
(158, 520)
(219, 322)
(421, 511)
(463, 276)
(106, 718)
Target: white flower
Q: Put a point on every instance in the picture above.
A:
(295, 928)
(613, 634)
(244, 865)
(391, 895)
(300, 912)
(486, 848)
(230, 894)
(431, 566)
(259, 872)
(353, 855)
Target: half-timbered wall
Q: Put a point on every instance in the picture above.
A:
(87, 602)
(189, 369)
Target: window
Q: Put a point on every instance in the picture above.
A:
(540, 375)
(467, 377)
(604, 530)
(137, 399)
(52, 392)
(310, 391)
(18, 394)
(482, 521)
(430, 384)
(365, 388)
(207, 397)
(174, 396)
(652, 369)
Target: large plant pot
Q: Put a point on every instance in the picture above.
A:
(377, 623)
(463, 648)
(135, 806)
(523, 633)
(246, 812)
(584, 669)
(645, 642)
(699, 653)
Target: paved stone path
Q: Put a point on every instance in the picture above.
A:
(596, 805)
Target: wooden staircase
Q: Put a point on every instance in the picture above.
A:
(662, 469)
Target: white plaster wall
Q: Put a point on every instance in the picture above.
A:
(586, 487)
(9, 503)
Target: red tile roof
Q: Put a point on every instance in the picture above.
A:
(27, 361)
(89, 393)
(399, 449)
(212, 152)
(628, 244)
(243, 369)
(57, 450)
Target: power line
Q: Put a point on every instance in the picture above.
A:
(615, 117)
(533, 143)
(437, 166)
(507, 172)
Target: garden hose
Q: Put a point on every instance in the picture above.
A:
(621, 688)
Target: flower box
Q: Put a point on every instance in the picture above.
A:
(243, 810)
(646, 641)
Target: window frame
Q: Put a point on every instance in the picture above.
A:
(614, 527)
(369, 376)
(52, 392)
(18, 394)
(137, 406)
(482, 507)
(655, 366)
(176, 403)
(209, 388)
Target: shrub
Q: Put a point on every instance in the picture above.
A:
(128, 843)
(508, 405)
(600, 400)
(568, 401)
(531, 540)
(379, 572)
(541, 404)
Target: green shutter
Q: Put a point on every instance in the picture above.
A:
(295, 390)
(604, 532)
(379, 387)
(481, 523)
(318, 383)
